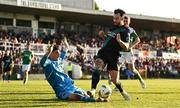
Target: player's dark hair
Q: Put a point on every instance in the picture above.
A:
(55, 47)
(119, 11)
(126, 17)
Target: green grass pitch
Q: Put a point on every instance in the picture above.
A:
(160, 93)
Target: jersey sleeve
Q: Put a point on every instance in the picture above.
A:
(44, 61)
(134, 34)
(31, 54)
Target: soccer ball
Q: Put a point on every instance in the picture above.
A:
(104, 91)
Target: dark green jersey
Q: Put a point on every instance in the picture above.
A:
(27, 56)
(110, 44)
(132, 37)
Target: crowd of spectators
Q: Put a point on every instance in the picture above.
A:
(159, 67)
(154, 67)
(166, 44)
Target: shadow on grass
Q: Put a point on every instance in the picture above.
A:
(23, 93)
(27, 100)
(36, 103)
(40, 105)
(39, 100)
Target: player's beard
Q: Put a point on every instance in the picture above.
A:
(118, 24)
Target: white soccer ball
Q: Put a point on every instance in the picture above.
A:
(104, 91)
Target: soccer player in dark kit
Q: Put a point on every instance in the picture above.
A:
(116, 40)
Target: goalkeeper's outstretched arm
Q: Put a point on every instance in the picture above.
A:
(43, 62)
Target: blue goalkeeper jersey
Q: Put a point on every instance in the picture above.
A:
(56, 77)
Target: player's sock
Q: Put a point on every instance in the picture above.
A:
(25, 79)
(95, 81)
(95, 78)
(87, 99)
(119, 86)
(138, 76)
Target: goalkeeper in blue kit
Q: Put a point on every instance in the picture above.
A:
(61, 83)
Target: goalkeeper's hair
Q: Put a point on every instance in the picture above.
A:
(119, 11)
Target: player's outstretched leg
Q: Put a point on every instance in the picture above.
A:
(25, 80)
(137, 75)
(123, 92)
(95, 81)
(114, 76)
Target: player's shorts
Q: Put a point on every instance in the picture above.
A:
(110, 59)
(65, 95)
(126, 57)
(26, 67)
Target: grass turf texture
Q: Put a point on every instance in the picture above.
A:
(160, 93)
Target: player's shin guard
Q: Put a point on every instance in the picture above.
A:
(87, 99)
(119, 86)
(95, 78)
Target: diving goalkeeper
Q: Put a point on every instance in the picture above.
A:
(61, 83)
